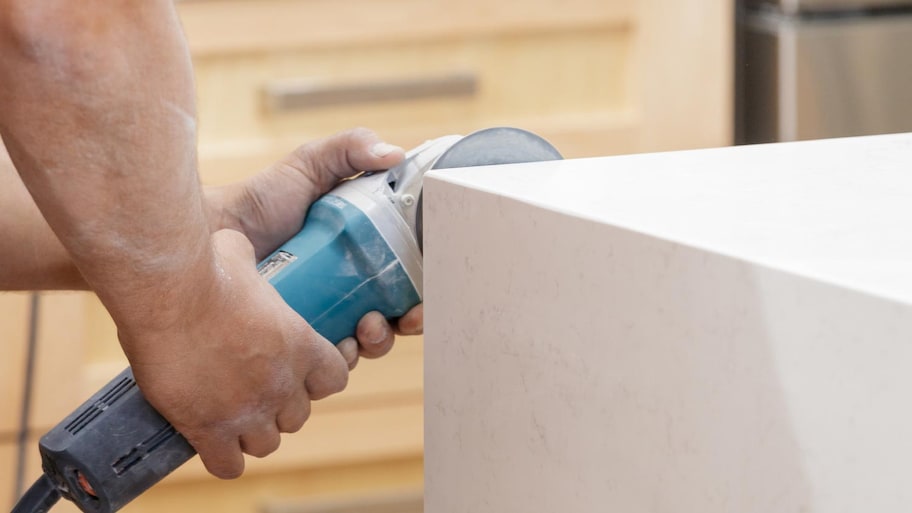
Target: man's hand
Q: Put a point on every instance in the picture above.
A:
(98, 113)
(269, 208)
(238, 367)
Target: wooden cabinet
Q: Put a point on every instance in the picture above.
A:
(59, 380)
(7, 472)
(595, 77)
(274, 74)
(59, 373)
(14, 325)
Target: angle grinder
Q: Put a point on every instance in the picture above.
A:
(359, 250)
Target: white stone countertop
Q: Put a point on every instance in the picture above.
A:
(837, 210)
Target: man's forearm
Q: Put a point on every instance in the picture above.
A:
(98, 116)
(31, 256)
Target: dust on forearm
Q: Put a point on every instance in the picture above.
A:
(99, 113)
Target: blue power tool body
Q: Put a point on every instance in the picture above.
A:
(358, 251)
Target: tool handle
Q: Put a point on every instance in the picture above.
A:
(112, 448)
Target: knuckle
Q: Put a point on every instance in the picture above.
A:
(322, 388)
(340, 383)
(304, 152)
(294, 418)
(325, 368)
(294, 424)
(261, 444)
(265, 449)
(224, 470)
(305, 416)
(358, 133)
(221, 458)
(233, 472)
(306, 159)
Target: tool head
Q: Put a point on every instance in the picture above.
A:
(495, 146)
(391, 200)
(489, 147)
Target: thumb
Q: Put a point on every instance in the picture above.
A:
(327, 161)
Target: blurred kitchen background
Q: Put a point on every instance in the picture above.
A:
(596, 77)
(812, 69)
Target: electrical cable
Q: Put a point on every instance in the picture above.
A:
(27, 386)
(39, 498)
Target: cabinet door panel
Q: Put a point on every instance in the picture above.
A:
(59, 384)
(14, 314)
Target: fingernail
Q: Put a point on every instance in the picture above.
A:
(349, 349)
(383, 149)
(381, 339)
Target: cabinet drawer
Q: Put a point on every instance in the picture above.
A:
(232, 27)
(248, 104)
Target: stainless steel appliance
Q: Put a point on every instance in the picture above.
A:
(811, 69)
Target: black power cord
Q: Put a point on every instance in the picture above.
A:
(39, 498)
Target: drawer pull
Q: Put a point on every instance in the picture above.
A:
(290, 95)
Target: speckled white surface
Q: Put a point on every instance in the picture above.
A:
(712, 331)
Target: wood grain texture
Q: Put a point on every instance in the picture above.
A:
(257, 26)
(14, 308)
(683, 81)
